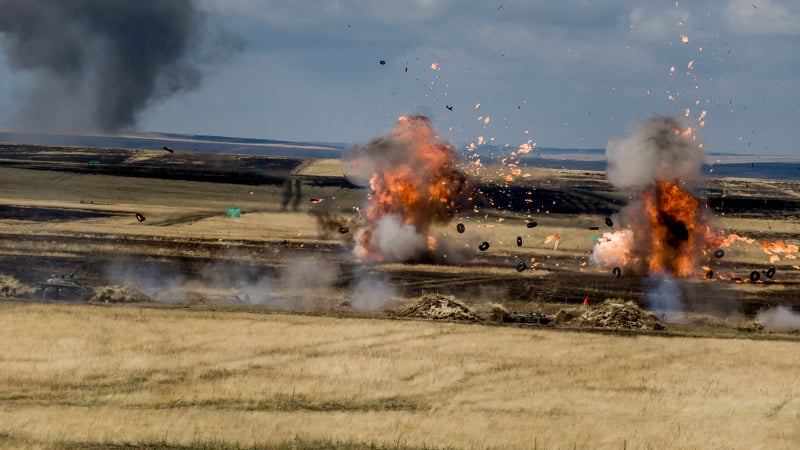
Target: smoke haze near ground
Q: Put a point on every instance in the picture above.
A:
(100, 64)
(779, 319)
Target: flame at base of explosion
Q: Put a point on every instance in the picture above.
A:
(415, 181)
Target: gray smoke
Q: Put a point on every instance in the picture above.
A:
(373, 293)
(665, 300)
(654, 149)
(779, 319)
(100, 63)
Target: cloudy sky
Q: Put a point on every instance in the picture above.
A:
(565, 74)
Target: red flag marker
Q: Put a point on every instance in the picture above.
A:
(586, 301)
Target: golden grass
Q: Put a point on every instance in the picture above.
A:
(90, 376)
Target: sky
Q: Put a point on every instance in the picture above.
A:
(568, 74)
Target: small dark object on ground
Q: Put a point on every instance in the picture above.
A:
(770, 272)
(531, 317)
(617, 272)
(710, 274)
(521, 266)
(460, 228)
(531, 224)
(484, 246)
(609, 222)
(519, 241)
(344, 230)
(755, 276)
(719, 253)
(167, 149)
(594, 228)
(139, 217)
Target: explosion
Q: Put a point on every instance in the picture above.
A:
(664, 232)
(414, 181)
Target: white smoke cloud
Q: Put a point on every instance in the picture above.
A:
(779, 319)
(373, 293)
(303, 283)
(654, 149)
(615, 249)
(394, 239)
(665, 300)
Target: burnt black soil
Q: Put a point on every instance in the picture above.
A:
(179, 258)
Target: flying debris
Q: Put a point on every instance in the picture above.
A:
(593, 228)
(531, 224)
(484, 246)
(460, 228)
(448, 107)
(770, 272)
(709, 274)
(519, 241)
(383, 63)
(609, 222)
(139, 217)
(617, 272)
(168, 149)
(755, 276)
(719, 253)
(415, 182)
(316, 200)
(344, 230)
(521, 266)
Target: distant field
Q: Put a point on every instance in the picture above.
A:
(208, 363)
(121, 377)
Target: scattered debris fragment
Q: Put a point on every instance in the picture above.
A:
(770, 272)
(460, 228)
(344, 229)
(609, 222)
(484, 246)
(617, 272)
(140, 217)
(709, 274)
(448, 107)
(594, 228)
(719, 253)
(755, 276)
(168, 149)
(521, 266)
(382, 62)
(531, 224)
(519, 241)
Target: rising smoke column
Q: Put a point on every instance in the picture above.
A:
(106, 60)
(415, 182)
(663, 231)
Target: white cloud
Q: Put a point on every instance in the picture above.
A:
(763, 17)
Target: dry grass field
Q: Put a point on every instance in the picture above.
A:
(120, 377)
(263, 331)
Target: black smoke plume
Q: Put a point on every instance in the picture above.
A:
(100, 63)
